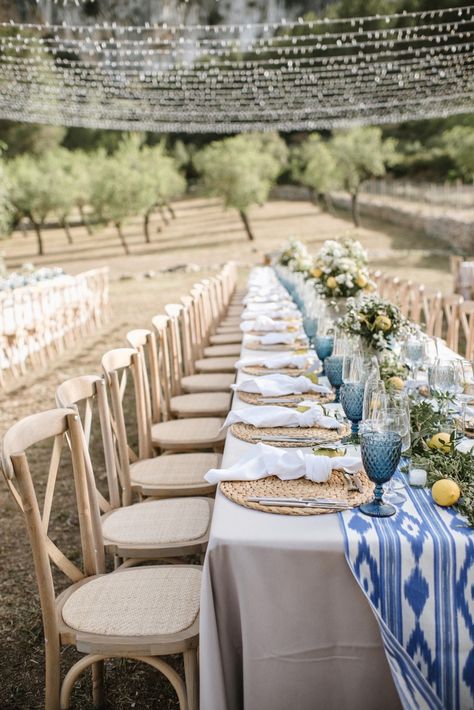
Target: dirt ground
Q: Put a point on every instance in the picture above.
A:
(202, 234)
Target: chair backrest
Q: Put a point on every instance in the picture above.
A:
(466, 311)
(118, 365)
(54, 425)
(87, 393)
(451, 314)
(155, 377)
(432, 313)
(416, 303)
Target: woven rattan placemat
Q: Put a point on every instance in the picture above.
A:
(298, 345)
(258, 333)
(251, 434)
(260, 370)
(252, 398)
(335, 487)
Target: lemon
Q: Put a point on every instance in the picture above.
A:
(316, 273)
(361, 281)
(396, 383)
(441, 442)
(322, 451)
(446, 492)
(383, 323)
(331, 282)
(312, 376)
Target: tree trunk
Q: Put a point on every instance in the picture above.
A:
(122, 237)
(39, 237)
(146, 226)
(328, 206)
(65, 226)
(84, 220)
(163, 215)
(355, 209)
(313, 197)
(248, 229)
(171, 210)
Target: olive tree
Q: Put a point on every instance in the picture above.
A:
(242, 170)
(360, 153)
(459, 144)
(163, 182)
(314, 166)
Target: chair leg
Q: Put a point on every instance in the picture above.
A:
(98, 694)
(191, 675)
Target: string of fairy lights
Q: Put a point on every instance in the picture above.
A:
(298, 75)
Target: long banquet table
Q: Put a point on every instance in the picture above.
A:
(284, 623)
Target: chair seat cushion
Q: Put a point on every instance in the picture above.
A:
(224, 338)
(217, 382)
(202, 432)
(158, 521)
(216, 364)
(222, 350)
(173, 470)
(201, 404)
(143, 601)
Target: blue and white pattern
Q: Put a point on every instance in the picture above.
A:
(417, 571)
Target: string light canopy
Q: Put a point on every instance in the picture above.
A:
(298, 75)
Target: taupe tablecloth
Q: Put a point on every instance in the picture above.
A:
(284, 625)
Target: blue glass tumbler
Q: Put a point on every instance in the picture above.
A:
(351, 395)
(333, 369)
(381, 451)
(323, 344)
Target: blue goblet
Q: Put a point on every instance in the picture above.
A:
(381, 451)
(333, 368)
(323, 344)
(352, 399)
(310, 326)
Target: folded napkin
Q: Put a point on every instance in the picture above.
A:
(278, 313)
(264, 460)
(275, 385)
(277, 361)
(264, 323)
(275, 339)
(261, 306)
(273, 416)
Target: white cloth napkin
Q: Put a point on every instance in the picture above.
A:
(275, 313)
(274, 385)
(273, 416)
(277, 361)
(264, 460)
(260, 306)
(264, 323)
(275, 339)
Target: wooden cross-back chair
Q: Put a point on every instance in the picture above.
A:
(466, 311)
(432, 313)
(451, 316)
(152, 529)
(416, 303)
(178, 473)
(138, 613)
(183, 374)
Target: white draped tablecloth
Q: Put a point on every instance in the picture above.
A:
(284, 624)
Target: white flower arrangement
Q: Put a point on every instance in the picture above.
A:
(378, 322)
(340, 269)
(295, 256)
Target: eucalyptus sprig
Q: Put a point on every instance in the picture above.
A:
(459, 467)
(427, 417)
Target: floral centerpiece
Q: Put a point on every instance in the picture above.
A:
(296, 257)
(340, 269)
(376, 321)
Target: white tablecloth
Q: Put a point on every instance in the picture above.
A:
(284, 625)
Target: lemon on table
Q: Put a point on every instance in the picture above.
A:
(396, 383)
(312, 377)
(445, 492)
(441, 442)
(323, 451)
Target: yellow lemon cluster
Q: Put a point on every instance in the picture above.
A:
(383, 323)
(316, 273)
(441, 442)
(331, 282)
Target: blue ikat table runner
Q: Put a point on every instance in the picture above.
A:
(417, 570)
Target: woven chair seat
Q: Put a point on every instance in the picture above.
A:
(224, 338)
(201, 404)
(204, 432)
(158, 521)
(222, 350)
(216, 364)
(144, 601)
(217, 382)
(227, 329)
(175, 470)
(232, 322)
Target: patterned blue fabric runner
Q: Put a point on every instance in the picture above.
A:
(417, 570)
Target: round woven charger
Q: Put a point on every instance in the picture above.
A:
(298, 345)
(260, 370)
(251, 434)
(252, 398)
(272, 487)
(256, 333)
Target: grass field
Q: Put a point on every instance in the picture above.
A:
(202, 234)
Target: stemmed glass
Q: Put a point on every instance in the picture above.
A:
(323, 345)
(381, 449)
(351, 393)
(396, 416)
(446, 378)
(414, 352)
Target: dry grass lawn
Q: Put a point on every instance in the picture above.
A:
(204, 234)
